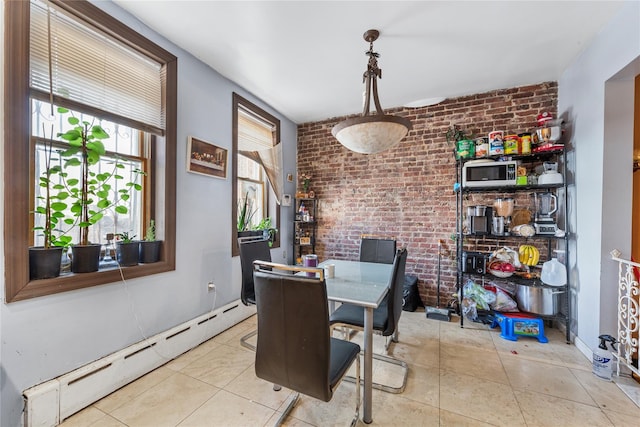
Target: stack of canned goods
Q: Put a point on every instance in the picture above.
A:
(497, 144)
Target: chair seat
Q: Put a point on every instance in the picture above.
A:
(353, 315)
(343, 354)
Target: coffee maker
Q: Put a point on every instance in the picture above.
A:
(546, 204)
(479, 220)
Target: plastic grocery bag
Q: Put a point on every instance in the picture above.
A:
(482, 297)
(504, 302)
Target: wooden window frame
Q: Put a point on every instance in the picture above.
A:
(250, 106)
(17, 231)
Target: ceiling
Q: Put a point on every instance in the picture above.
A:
(306, 58)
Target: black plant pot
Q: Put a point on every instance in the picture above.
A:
(149, 251)
(85, 258)
(251, 233)
(44, 263)
(127, 253)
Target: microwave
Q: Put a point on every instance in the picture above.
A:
(489, 173)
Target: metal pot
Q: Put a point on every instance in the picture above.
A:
(543, 301)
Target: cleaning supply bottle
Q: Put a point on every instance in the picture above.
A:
(603, 359)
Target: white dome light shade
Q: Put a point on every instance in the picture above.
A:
(371, 134)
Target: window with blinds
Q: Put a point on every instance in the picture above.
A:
(92, 69)
(104, 73)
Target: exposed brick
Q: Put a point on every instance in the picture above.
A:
(407, 192)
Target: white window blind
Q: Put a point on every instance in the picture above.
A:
(93, 69)
(254, 134)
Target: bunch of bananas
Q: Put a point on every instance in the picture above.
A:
(529, 255)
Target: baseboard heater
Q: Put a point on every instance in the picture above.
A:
(49, 403)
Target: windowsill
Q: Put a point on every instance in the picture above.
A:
(73, 281)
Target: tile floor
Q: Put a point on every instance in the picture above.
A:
(457, 377)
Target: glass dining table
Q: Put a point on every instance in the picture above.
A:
(364, 284)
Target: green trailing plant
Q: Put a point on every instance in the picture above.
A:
(455, 134)
(92, 194)
(265, 225)
(150, 235)
(124, 237)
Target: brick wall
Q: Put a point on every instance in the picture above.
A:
(407, 192)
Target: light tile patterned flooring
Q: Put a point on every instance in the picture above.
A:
(458, 377)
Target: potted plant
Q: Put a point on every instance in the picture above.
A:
(149, 247)
(267, 230)
(92, 193)
(245, 216)
(127, 249)
(45, 260)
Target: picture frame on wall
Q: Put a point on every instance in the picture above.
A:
(205, 158)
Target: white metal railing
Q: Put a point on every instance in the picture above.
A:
(628, 312)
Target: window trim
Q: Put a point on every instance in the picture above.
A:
(17, 230)
(249, 106)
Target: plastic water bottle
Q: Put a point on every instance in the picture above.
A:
(603, 359)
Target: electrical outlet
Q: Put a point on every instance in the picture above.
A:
(211, 287)
(284, 254)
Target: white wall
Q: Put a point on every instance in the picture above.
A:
(596, 97)
(45, 337)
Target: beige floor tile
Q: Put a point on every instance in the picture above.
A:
(544, 378)
(221, 365)
(423, 385)
(395, 410)
(478, 362)
(107, 421)
(571, 356)
(339, 411)
(473, 335)
(621, 420)
(166, 404)
(87, 417)
(195, 353)
(250, 387)
(607, 394)
(544, 410)
(290, 421)
(457, 377)
(451, 419)
(227, 409)
(417, 350)
(487, 401)
(416, 324)
(133, 390)
(232, 335)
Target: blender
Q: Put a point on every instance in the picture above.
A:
(502, 209)
(546, 204)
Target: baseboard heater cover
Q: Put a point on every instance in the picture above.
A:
(49, 403)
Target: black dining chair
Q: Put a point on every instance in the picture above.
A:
(252, 248)
(295, 347)
(375, 248)
(385, 318)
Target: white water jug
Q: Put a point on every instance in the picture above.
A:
(554, 273)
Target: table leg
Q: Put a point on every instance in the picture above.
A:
(368, 364)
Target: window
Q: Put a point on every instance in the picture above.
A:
(254, 130)
(137, 109)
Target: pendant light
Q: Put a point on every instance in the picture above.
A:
(371, 133)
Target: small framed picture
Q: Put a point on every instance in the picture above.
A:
(305, 240)
(205, 158)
